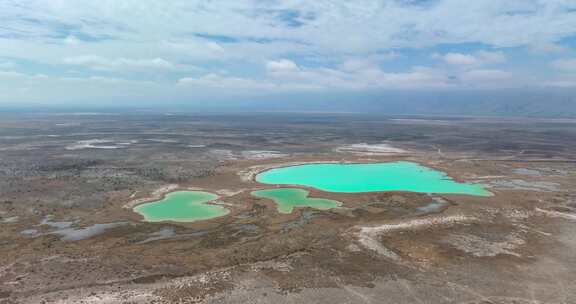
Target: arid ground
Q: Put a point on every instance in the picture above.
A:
(68, 182)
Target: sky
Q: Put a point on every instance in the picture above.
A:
(131, 51)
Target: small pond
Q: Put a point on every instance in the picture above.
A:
(287, 199)
(182, 206)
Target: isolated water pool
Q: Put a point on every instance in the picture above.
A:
(182, 206)
(287, 199)
(352, 178)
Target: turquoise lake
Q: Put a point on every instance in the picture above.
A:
(369, 177)
(287, 199)
(182, 206)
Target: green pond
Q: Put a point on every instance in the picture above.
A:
(287, 199)
(182, 206)
(391, 176)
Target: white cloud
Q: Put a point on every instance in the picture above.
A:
(16, 76)
(40, 88)
(547, 47)
(359, 64)
(319, 26)
(359, 73)
(481, 57)
(280, 66)
(219, 81)
(71, 40)
(350, 42)
(119, 64)
(354, 74)
(487, 57)
(460, 59)
(417, 78)
(242, 85)
(565, 64)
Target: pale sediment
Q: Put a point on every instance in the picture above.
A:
(368, 236)
(156, 195)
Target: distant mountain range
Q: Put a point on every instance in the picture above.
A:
(528, 102)
(560, 103)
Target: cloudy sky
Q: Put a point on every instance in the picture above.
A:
(59, 51)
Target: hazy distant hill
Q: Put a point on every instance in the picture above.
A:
(537, 103)
(559, 103)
